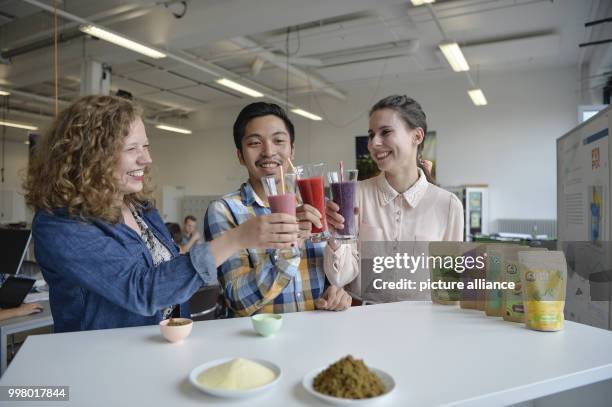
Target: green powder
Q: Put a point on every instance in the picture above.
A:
(350, 379)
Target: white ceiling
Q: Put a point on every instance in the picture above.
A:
(352, 41)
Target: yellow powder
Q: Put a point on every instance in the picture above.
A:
(237, 374)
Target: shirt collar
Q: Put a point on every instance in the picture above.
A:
(248, 195)
(413, 195)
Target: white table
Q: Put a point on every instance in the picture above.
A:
(21, 324)
(438, 355)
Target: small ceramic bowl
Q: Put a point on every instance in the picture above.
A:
(267, 324)
(175, 333)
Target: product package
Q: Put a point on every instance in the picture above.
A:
(513, 308)
(544, 279)
(441, 271)
(493, 299)
(468, 297)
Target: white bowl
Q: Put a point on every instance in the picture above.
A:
(385, 377)
(197, 371)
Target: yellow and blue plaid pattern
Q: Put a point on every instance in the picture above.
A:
(252, 280)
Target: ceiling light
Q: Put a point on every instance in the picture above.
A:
(4, 93)
(454, 56)
(239, 88)
(121, 41)
(18, 125)
(477, 97)
(421, 2)
(173, 129)
(306, 114)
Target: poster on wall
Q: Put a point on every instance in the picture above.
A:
(367, 167)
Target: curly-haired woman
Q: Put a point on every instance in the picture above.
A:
(102, 247)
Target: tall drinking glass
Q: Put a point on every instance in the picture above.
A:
(280, 192)
(312, 189)
(343, 187)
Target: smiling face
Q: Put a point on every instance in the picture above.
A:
(391, 143)
(266, 146)
(134, 158)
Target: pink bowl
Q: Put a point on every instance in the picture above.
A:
(175, 333)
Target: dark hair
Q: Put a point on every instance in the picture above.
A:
(259, 109)
(175, 232)
(190, 217)
(413, 116)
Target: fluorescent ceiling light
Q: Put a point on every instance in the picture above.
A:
(477, 97)
(121, 41)
(454, 56)
(239, 88)
(18, 125)
(421, 2)
(173, 129)
(4, 93)
(306, 114)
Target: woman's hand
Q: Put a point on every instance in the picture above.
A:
(307, 216)
(275, 231)
(335, 221)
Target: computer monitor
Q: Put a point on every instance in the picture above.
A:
(14, 244)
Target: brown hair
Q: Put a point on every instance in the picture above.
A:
(73, 166)
(413, 116)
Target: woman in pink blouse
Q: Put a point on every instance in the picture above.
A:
(402, 204)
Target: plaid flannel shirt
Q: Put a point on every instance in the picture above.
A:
(252, 280)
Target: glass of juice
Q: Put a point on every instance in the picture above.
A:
(343, 187)
(280, 192)
(312, 189)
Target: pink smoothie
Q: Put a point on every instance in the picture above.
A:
(282, 204)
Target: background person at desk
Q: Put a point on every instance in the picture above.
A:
(190, 234)
(20, 311)
(103, 249)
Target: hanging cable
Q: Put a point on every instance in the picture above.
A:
(55, 57)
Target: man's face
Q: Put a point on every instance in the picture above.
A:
(189, 226)
(266, 146)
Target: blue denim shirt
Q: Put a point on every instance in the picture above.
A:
(101, 275)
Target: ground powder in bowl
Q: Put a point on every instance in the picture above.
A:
(237, 374)
(349, 378)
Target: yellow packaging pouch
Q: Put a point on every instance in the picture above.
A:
(544, 280)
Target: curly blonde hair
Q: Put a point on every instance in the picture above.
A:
(73, 167)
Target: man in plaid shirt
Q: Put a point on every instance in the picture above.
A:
(253, 280)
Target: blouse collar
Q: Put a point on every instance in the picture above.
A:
(413, 195)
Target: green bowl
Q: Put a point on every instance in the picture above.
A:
(267, 324)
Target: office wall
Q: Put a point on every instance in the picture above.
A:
(509, 144)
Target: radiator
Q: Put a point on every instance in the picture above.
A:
(528, 226)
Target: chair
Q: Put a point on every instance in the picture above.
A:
(204, 304)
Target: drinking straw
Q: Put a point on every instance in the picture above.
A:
(293, 168)
(341, 171)
(282, 181)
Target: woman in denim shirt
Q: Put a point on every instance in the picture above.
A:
(103, 249)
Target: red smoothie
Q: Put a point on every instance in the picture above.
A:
(313, 194)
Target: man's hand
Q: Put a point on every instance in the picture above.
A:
(307, 216)
(334, 299)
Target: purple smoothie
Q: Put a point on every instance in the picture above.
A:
(345, 195)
